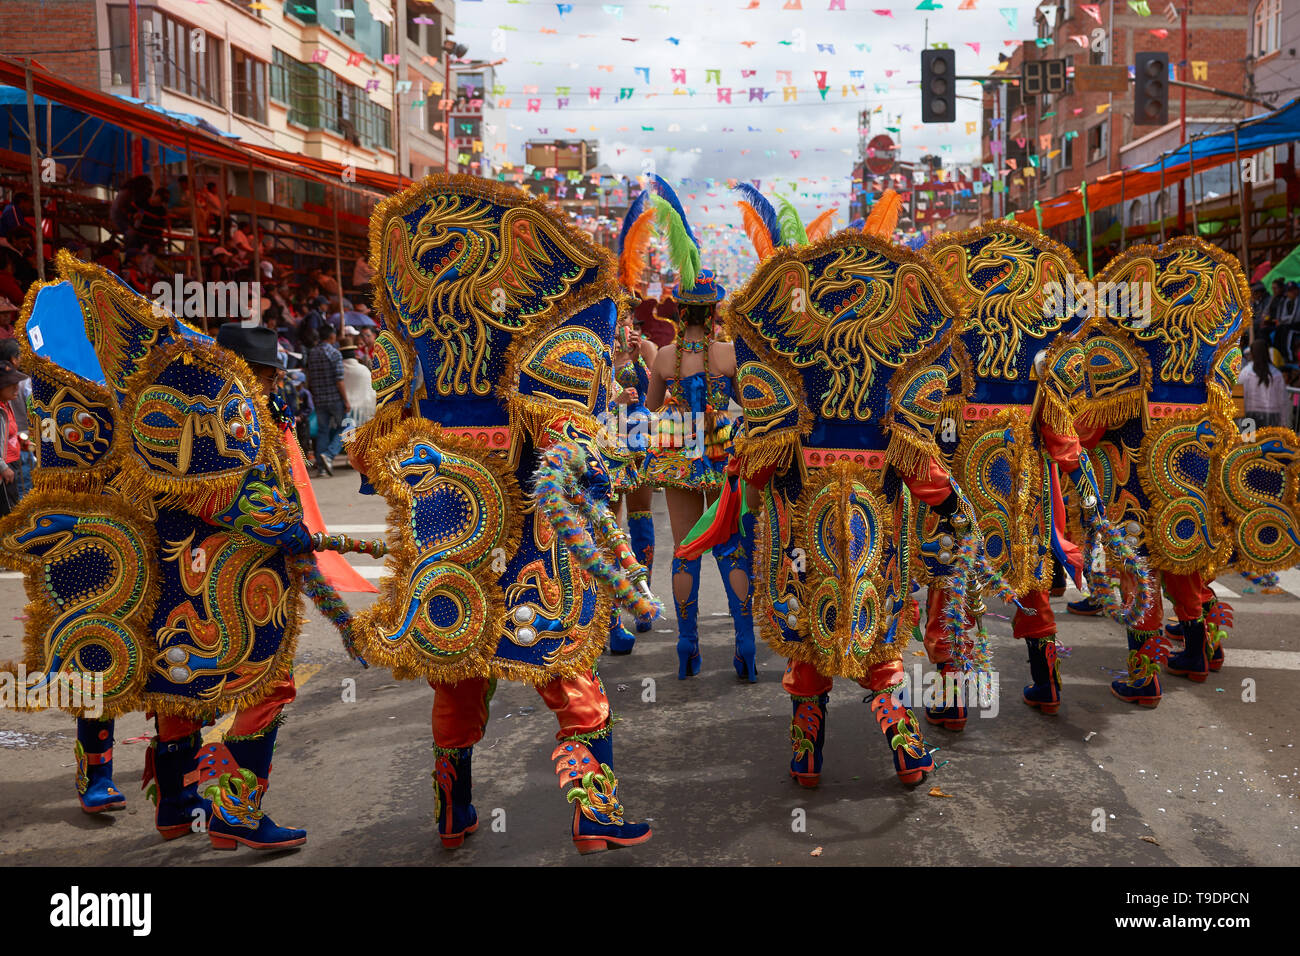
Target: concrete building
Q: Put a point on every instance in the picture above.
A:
(1079, 136)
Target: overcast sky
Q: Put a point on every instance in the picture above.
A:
(709, 137)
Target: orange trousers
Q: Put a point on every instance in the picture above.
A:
(460, 710)
(248, 720)
(1187, 592)
(804, 680)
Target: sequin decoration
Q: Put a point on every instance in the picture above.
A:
(1258, 482)
(91, 573)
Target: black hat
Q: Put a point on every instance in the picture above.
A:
(255, 344)
(9, 375)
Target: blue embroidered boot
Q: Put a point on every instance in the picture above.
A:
(584, 766)
(94, 750)
(175, 802)
(912, 760)
(237, 814)
(1045, 672)
(1146, 650)
(1193, 662)
(1085, 607)
(452, 782)
(1218, 617)
(688, 634)
(949, 714)
(641, 530)
(621, 641)
(740, 558)
(807, 736)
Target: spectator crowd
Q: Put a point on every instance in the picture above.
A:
(326, 333)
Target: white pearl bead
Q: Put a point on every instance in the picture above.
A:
(525, 635)
(179, 673)
(524, 614)
(791, 620)
(793, 604)
(175, 654)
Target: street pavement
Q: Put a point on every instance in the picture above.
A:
(1209, 777)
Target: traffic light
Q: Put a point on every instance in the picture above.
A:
(938, 86)
(1151, 89)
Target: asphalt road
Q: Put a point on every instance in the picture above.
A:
(1206, 778)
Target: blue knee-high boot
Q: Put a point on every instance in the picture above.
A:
(641, 529)
(688, 634)
(620, 640)
(95, 787)
(237, 814)
(741, 558)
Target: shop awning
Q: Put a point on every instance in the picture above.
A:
(1251, 136)
(173, 130)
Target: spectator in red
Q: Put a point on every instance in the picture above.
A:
(10, 444)
(9, 287)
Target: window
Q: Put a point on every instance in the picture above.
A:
(1067, 153)
(433, 35)
(1268, 27)
(191, 60)
(347, 25)
(119, 32)
(280, 75)
(412, 28)
(319, 99)
(1097, 143)
(248, 85)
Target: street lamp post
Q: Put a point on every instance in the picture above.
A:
(449, 47)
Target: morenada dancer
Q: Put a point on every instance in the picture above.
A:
(506, 561)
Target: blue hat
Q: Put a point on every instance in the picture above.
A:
(705, 291)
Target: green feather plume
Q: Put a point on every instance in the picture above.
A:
(682, 253)
(792, 231)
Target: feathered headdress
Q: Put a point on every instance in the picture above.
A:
(634, 241)
(792, 230)
(883, 218)
(761, 223)
(820, 227)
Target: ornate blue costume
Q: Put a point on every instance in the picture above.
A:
(494, 362)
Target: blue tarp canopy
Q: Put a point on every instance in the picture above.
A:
(94, 150)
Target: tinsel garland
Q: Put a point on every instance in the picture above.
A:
(327, 601)
(1106, 535)
(1267, 583)
(573, 514)
(971, 654)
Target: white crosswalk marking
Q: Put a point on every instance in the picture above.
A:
(1223, 592)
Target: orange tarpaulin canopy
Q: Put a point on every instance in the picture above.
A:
(171, 132)
(1242, 139)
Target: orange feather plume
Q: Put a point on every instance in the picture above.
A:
(884, 215)
(756, 229)
(632, 262)
(820, 227)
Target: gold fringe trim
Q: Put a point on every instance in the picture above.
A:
(1208, 560)
(1114, 410)
(405, 661)
(197, 495)
(42, 615)
(1054, 413)
(82, 479)
(281, 667)
(910, 454)
(364, 439)
(771, 449)
(534, 416)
